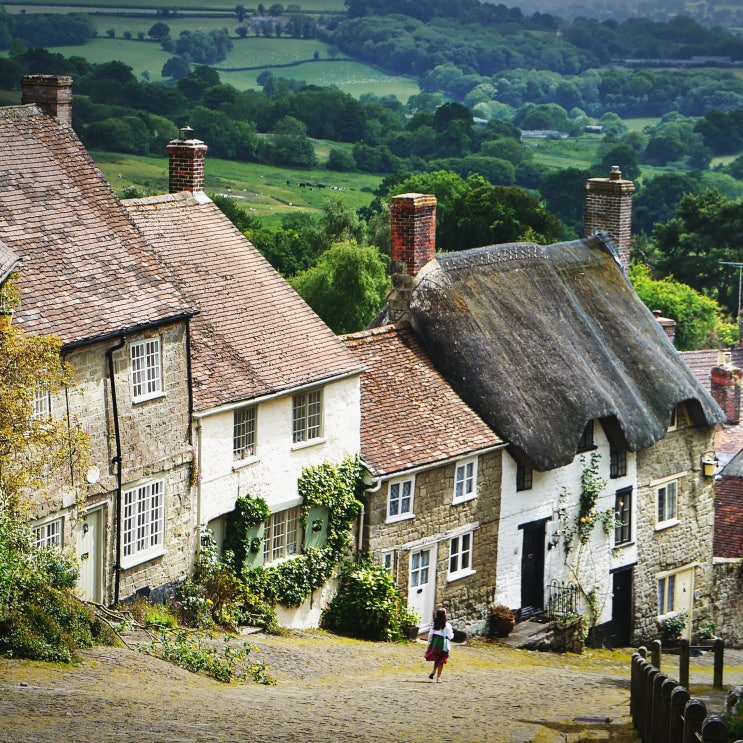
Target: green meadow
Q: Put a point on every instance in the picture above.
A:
(263, 191)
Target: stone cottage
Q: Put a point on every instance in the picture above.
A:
(434, 466)
(87, 276)
(554, 351)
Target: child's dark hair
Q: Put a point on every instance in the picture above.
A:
(439, 621)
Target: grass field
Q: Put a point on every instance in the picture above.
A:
(265, 192)
(46, 6)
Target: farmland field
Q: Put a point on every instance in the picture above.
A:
(264, 191)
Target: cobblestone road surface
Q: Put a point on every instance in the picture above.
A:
(328, 689)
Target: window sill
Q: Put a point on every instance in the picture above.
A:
(464, 499)
(142, 557)
(663, 525)
(147, 398)
(306, 444)
(458, 576)
(399, 517)
(624, 545)
(240, 463)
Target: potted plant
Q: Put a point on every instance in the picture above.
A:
(502, 620)
(671, 628)
(410, 624)
(706, 632)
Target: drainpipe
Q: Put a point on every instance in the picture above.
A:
(373, 488)
(117, 461)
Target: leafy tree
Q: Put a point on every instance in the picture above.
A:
(176, 68)
(158, 31)
(39, 615)
(564, 194)
(232, 210)
(289, 145)
(623, 156)
(707, 229)
(340, 160)
(699, 322)
(346, 287)
(658, 199)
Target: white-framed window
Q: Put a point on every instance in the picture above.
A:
(283, 535)
(388, 562)
(243, 432)
(146, 366)
(143, 525)
(465, 481)
(666, 594)
(460, 556)
(666, 499)
(400, 499)
(623, 516)
(48, 534)
(42, 404)
(673, 423)
(307, 416)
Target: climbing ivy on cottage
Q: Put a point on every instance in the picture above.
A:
(330, 504)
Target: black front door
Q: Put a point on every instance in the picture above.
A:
(621, 608)
(532, 567)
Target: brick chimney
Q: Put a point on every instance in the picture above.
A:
(609, 209)
(186, 172)
(413, 231)
(668, 325)
(51, 93)
(725, 383)
(413, 244)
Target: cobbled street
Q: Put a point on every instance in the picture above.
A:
(328, 689)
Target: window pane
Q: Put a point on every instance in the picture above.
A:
(405, 500)
(661, 504)
(670, 590)
(454, 555)
(307, 416)
(394, 499)
(661, 596)
(146, 368)
(671, 501)
(244, 433)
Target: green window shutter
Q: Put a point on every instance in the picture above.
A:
(316, 531)
(255, 536)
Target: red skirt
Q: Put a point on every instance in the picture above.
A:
(435, 651)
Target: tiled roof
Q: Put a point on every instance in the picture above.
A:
(86, 272)
(728, 438)
(254, 336)
(410, 416)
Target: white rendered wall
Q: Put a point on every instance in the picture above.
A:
(542, 502)
(273, 472)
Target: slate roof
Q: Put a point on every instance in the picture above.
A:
(540, 340)
(87, 272)
(254, 336)
(410, 416)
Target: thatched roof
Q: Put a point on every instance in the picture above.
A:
(541, 340)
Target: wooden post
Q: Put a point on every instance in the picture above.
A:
(634, 686)
(719, 650)
(665, 694)
(660, 720)
(714, 730)
(639, 706)
(694, 714)
(684, 662)
(679, 698)
(650, 673)
(655, 647)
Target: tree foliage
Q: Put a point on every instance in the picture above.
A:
(346, 287)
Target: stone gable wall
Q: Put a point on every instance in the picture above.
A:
(727, 601)
(685, 544)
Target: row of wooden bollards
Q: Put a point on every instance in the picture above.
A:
(662, 709)
(684, 648)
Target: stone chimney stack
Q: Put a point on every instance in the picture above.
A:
(51, 93)
(609, 209)
(187, 156)
(413, 244)
(725, 384)
(668, 325)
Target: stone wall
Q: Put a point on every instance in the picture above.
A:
(467, 599)
(727, 601)
(685, 543)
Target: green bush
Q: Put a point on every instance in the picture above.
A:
(368, 605)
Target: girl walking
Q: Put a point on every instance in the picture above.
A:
(439, 638)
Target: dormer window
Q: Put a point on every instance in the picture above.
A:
(586, 442)
(524, 476)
